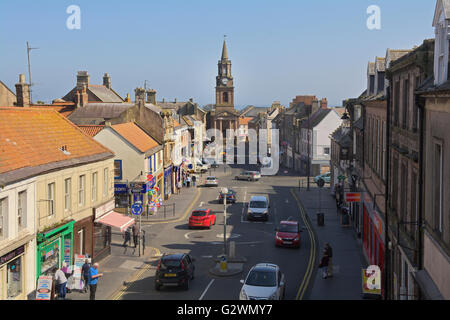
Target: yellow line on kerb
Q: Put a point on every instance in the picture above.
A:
(138, 275)
(312, 254)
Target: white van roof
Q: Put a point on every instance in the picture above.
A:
(258, 198)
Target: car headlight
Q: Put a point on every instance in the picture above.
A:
(243, 295)
(297, 238)
(278, 238)
(273, 296)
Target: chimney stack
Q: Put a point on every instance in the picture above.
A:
(22, 92)
(128, 98)
(107, 81)
(151, 96)
(82, 79)
(324, 103)
(315, 105)
(139, 96)
(81, 97)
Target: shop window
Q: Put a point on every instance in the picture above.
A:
(14, 278)
(51, 198)
(50, 257)
(102, 238)
(22, 210)
(67, 194)
(117, 169)
(3, 218)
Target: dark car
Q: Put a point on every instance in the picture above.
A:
(231, 196)
(174, 270)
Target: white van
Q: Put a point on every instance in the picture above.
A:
(258, 208)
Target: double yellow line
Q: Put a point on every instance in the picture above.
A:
(312, 252)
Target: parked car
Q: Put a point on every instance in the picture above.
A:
(258, 208)
(249, 176)
(288, 234)
(264, 282)
(201, 167)
(202, 218)
(326, 177)
(174, 270)
(211, 181)
(231, 196)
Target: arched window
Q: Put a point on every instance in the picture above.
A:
(225, 97)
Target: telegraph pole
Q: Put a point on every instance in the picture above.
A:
(29, 71)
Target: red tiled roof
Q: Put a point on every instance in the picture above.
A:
(135, 135)
(91, 130)
(64, 108)
(31, 137)
(244, 121)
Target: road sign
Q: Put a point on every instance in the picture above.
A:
(352, 197)
(137, 209)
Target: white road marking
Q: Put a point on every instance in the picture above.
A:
(287, 201)
(187, 234)
(207, 257)
(204, 292)
(201, 204)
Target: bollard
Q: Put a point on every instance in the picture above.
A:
(223, 264)
(232, 250)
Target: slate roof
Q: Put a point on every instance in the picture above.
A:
(105, 94)
(98, 113)
(31, 140)
(342, 136)
(359, 123)
(135, 136)
(253, 111)
(316, 118)
(380, 64)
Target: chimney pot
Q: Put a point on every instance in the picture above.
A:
(22, 92)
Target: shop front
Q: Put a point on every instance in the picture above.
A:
(13, 274)
(168, 188)
(121, 194)
(53, 248)
(82, 237)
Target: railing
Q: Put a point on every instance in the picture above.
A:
(165, 210)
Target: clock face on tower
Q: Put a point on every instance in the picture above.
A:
(224, 81)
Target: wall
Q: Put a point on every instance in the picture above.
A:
(7, 98)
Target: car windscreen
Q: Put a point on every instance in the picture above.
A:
(262, 278)
(170, 263)
(199, 214)
(288, 228)
(211, 178)
(258, 204)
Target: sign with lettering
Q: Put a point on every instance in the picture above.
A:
(371, 280)
(10, 256)
(44, 288)
(352, 197)
(107, 207)
(120, 188)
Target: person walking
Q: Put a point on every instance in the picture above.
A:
(85, 273)
(194, 180)
(135, 235)
(61, 282)
(324, 264)
(127, 237)
(329, 252)
(188, 181)
(93, 280)
(179, 187)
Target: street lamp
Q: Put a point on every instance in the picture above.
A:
(225, 193)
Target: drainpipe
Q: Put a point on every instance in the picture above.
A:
(421, 107)
(386, 215)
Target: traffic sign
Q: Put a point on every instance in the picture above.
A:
(352, 197)
(137, 209)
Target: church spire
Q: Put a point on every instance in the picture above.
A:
(224, 50)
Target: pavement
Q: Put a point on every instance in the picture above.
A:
(348, 259)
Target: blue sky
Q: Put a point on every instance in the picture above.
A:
(279, 49)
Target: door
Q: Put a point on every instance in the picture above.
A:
(81, 238)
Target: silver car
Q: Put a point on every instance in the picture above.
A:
(249, 176)
(211, 181)
(264, 282)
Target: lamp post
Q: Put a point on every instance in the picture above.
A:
(225, 192)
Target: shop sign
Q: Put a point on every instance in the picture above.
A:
(371, 280)
(13, 254)
(120, 188)
(352, 197)
(44, 288)
(107, 207)
(137, 187)
(67, 249)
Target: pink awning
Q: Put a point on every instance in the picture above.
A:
(117, 220)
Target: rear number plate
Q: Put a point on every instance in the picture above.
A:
(170, 275)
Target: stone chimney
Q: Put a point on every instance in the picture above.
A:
(128, 98)
(315, 105)
(82, 79)
(81, 97)
(107, 81)
(324, 103)
(151, 96)
(139, 96)
(22, 92)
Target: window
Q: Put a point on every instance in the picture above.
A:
(14, 278)
(150, 165)
(404, 193)
(51, 198)
(3, 218)
(22, 210)
(415, 109)
(105, 182)
(225, 97)
(94, 186)
(117, 169)
(326, 151)
(67, 194)
(414, 204)
(81, 190)
(405, 103)
(396, 103)
(438, 187)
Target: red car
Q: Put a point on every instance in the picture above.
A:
(202, 218)
(288, 234)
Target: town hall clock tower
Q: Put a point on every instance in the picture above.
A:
(224, 83)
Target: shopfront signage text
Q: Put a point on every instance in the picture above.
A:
(9, 256)
(107, 207)
(44, 288)
(120, 188)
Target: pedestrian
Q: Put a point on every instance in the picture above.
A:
(324, 264)
(188, 181)
(179, 187)
(85, 273)
(127, 239)
(143, 241)
(93, 280)
(68, 275)
(194, 180)
(329, 252)
(135, 235)
(60, 283)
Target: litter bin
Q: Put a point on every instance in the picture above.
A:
(345, 219)
(320, 219)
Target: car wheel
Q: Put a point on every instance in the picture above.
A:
(157, 286)
(209, 227)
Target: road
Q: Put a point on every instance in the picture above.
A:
(254, 241)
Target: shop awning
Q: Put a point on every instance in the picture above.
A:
(117, 220)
